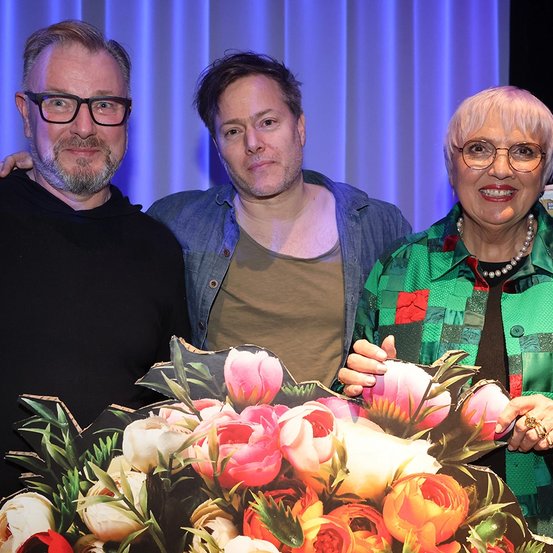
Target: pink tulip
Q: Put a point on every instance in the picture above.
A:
(250, 439)
(483, 405)
(399, 395)
(307, 435)
(252, 378)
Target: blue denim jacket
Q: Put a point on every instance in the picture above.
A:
(204, 223)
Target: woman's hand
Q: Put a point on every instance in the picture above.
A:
(366, 360)
(533, 429)
(19, 160)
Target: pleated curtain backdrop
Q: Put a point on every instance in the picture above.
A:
(381, 79)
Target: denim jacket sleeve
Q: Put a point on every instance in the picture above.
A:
(205, 225)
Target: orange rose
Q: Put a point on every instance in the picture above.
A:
(370, 534)
(429, 507)
(326, 533)
(308, 506)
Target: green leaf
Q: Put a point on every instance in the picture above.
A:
(493, 527)
(178, 364)
(297, 392)
(125, 487)
(124, 547)
(178, 392)
(105, 479)
(279, 520)
(530, 547)
(45, 413)
(68, 491)
(55, 453)
(31, 462)
(206, 538)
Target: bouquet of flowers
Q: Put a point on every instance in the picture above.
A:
(240, 458)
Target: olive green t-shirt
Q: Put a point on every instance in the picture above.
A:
(293, 307)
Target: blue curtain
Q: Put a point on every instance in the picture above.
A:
(381, 80)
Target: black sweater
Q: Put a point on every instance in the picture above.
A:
(88, 302)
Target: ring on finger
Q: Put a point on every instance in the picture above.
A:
(541, 431)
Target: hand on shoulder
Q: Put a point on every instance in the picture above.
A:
(19, 160)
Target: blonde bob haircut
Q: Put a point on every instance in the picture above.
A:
(517, 108)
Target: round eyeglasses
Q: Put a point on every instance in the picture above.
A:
(523, 157)
(110, 111)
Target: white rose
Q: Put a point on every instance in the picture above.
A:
(22, 516)
(89, 544)
(243, 544)
(113, 521)
(222, 531)
(145, 439)
(376, 459)
(210, 517)
(118, 465)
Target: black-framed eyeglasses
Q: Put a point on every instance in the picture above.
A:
(110, 111)
(523, 157)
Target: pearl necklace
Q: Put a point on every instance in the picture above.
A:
(530, 233)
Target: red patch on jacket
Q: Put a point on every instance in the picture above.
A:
(450, 242)
(515, 385)
(411, 306)
(480, 283)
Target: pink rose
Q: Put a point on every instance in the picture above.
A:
(252, 378)
(179, 413)
(400, 396)
(250, 442)
(482, 405)
(343, 409)
(307, 436)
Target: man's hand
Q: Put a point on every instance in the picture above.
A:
(19, 160)
(366, 360)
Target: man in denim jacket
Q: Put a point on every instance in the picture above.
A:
(278, 257)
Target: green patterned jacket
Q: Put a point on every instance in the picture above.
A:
(429, 295)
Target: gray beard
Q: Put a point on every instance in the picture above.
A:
(81, 182)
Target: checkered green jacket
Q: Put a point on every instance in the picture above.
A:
(429, 295)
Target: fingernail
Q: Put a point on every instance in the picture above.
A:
(498, 428)
(369, 381)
